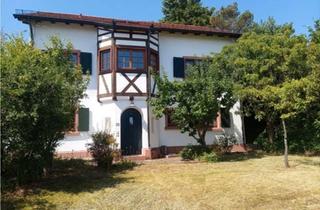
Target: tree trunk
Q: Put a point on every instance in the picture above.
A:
(270, 131)
(202, 137)
(285, 141)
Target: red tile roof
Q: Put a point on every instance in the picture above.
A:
(27, 16)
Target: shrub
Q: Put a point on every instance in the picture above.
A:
(187, 153)
(301, 141)
(210, 157)
(103, 149)
(191, 152)
(225, 143)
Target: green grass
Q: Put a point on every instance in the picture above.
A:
(238, 182)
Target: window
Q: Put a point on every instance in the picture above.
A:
(80, 121)
(191, 61)
(180, 64)
(137, 59)
(214, 124)
(123, 59)
(154, 62)
(169, 124)
(131, 59)
(82, 58)
(75, 58)
(225, 118)
(73, 127)
(105, 61)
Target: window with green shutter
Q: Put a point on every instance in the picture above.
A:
(86, 62)
(83, 119)
(178, 67)
(225, 118)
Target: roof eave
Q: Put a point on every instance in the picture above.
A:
(28, 18)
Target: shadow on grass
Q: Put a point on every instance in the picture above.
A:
(12, 201)
(71, 176)
(75, 176)
(233, 157)
(309, 162)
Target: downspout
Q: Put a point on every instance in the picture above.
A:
(148, 85)
(113, 63)
(244, 140)
(31, 33)
(97, 70)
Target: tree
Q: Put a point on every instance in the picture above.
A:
(270, 27)
(194, 13)
(186, 11)
(314, 78)
(300, 95)
(271, 71)
(196, 100)
(40, 91)
(229, 18)
(315, 33)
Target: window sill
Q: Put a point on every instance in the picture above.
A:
(216, 129)
(210, 129)
(105, 72)
(131, 70)
(72, 133)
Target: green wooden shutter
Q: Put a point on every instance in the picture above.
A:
(83, 119)
(86, 62)
(178, 67)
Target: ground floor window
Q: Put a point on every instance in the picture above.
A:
(169, 123)
(225, 118)
(222, 120)
(80, 121)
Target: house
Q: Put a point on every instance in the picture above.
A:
(118, 55)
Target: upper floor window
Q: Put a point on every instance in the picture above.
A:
(84, 59)
(191, 61)
(105, 61)
(75, 58)
(154, 61)
(180, 64)
(131, 59)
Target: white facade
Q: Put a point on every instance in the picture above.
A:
(179, 45)
(105, 114)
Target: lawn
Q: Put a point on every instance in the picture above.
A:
(239, 182)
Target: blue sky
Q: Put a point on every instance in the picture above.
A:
(301, 13)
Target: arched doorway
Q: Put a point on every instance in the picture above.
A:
(131, 132)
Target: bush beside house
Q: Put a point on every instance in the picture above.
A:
(210, 153)
(103, 149)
